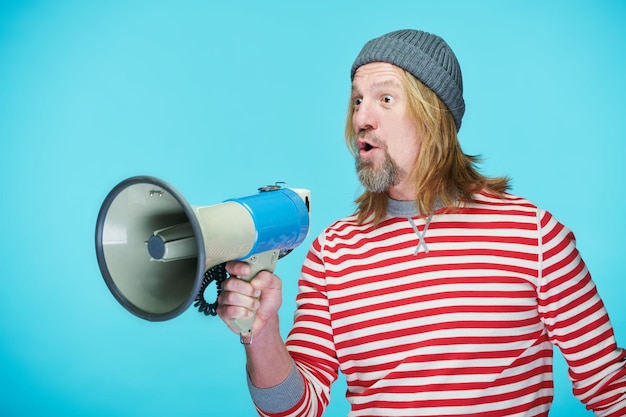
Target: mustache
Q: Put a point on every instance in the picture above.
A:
(369, 137)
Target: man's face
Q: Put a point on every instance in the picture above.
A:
(387, 139)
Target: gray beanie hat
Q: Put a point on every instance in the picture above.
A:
(427, 57)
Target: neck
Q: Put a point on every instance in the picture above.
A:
(403, 208)
(401, 193)
(400, 208)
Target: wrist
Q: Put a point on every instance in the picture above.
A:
(266, 333)
(267, 360)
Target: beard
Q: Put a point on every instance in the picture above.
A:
(378, 180)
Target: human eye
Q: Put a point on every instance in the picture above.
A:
(357, 100)
(388, 99)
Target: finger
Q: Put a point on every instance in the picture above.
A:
(230, 313)
(237, 299)
(240, 286)
(238, 268)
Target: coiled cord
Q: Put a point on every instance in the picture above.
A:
(218, 274)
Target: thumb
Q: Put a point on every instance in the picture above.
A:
(270, 287)
(266, 280)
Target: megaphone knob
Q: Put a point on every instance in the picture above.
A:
(156, 247)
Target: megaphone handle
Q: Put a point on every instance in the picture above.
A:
(265, 261)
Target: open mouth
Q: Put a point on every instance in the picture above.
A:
(364, 146)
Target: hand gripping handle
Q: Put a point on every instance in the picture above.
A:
(265, 261)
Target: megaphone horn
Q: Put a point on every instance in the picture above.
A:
(153, 248)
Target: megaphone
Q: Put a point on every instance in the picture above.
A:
(153, 247)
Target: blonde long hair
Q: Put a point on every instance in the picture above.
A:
(442, 171)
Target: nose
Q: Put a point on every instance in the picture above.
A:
(364, 118)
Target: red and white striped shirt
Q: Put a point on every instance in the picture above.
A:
(455, 320)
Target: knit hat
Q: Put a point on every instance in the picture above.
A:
(427, 57)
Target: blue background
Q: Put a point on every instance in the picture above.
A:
(218, 99)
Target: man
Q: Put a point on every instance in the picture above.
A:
(443, 295)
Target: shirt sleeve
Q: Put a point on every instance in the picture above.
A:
(283, 396)
(578, 323)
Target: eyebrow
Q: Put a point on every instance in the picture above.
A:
(389, 82)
